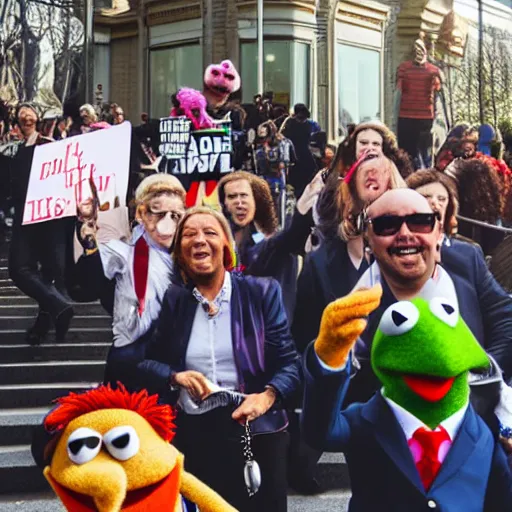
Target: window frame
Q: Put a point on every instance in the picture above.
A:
(273, 38)
(162, 47)
(361, 46)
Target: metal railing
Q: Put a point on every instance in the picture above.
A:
(488, 236)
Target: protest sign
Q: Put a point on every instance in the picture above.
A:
(60, 173)
(200, 155)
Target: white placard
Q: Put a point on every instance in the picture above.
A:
(61, 171)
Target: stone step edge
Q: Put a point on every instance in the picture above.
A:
(47, 385)
(31, 364)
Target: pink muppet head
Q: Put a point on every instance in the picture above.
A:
(222, 79)
(192, 104)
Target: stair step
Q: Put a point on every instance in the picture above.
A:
(18, 473)
(29, 308)
(332, 501)
(18, 460)
(6, 291)
(332, 472)
(47, 502)
(51, 371)
(44, 502)
(38, 395)
(74, 335)
(17, 425)
(54, 352)
(19, 322)
(15, 300)
(33, 502)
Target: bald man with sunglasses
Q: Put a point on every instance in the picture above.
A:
(404, 240)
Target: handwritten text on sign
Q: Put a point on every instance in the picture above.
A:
(60, 173)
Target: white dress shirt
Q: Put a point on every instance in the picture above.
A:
(117, 260)
(210, 347)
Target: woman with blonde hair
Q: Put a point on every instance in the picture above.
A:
(131, 277)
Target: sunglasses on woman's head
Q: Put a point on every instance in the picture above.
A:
(388, 225)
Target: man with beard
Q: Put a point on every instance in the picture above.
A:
(38, 252)
(404, 236)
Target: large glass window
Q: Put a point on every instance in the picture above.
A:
(286, 71)
(170, 69)
(358, 85)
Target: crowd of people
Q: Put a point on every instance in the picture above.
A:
(205, 300)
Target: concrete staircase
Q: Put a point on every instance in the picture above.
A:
(32, 377)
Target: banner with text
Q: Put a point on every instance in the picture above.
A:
(201, 155)
(60, 173)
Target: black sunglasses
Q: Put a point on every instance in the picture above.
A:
(388, 225)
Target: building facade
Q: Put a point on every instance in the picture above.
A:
(338, 57)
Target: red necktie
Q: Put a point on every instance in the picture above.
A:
(140, 271)
(429, 450)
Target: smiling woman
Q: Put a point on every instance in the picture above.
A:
(221, 331)
(203, 247)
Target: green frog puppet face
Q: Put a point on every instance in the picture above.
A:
(422, 353)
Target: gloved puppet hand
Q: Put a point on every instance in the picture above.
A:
(343, 321)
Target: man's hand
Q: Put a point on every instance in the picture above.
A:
(254, 406)
(343, 321)
(194, 382)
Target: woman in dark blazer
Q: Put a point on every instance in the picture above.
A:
(221, 330)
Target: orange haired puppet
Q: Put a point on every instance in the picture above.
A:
(108, 450)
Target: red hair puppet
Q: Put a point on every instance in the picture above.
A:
(108, 450)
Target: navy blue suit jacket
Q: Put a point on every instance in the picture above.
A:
(262, 344)
(474, 477)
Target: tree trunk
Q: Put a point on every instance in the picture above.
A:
(67, 57)
(22, 94)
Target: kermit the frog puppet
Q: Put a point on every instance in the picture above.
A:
(417, 445)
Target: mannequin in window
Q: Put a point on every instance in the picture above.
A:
(417, 83)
